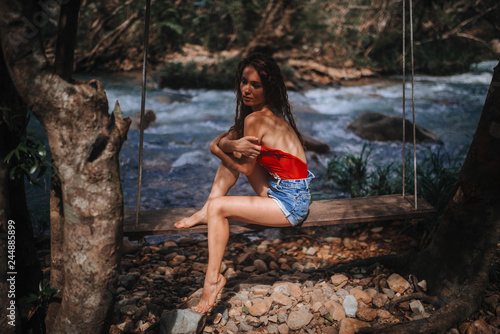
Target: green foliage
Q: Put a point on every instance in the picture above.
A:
(178, 75)
(437, 175)
(350, 172)
(42, 298)
(28, 159)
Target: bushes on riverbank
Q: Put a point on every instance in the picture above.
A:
(189, 75)
(359, 176)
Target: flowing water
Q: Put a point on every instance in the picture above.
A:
(178, 168)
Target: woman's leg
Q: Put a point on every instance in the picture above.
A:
(224, 179)
(251, 209)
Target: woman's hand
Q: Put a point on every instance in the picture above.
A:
(247, 146)
(244, 165)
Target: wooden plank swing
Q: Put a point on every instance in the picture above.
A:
(323, 212)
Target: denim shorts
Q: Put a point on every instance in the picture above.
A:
(293, 197)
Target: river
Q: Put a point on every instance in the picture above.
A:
(178, 168)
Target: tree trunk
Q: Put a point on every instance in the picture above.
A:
(85, 141)
(457, 262)
(63, 64)
(13, 208)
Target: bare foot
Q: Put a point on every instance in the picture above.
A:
(209, 295)
(199, 217)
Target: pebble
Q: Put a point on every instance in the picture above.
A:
(272, 288)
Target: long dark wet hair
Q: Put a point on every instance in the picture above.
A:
(274, 89)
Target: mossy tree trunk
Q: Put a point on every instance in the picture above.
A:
(85, 141)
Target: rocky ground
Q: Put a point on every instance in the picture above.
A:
(283, 282)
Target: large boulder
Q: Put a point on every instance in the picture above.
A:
(182, 321)
(315, 145)
(374, 126)
(148, 119)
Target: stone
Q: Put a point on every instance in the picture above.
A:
(282, 317)
(281, 299)
(389, 293)
(245, 327)
(329, 330)
(182, 322)
(129, 310)
(178, 259)
(423, 285)
(148, 118)
(350, 326)
(283, 329)
(380, 300)
(375, 126)
(339, 280)
(258, 309)
(479, 327)
(272, 329)
(261, 290)
(260, 266)
(253, 321)
(283, 289)
(295, 290)
(397, 283)
(129, 280)
(361, 295)
(350, 305)
(315, 145)
(371, 292)
(366, 314)
(231, 326)
(383, 314)
(349, 243)
(336, 310)
(315, 307)
(309, 267)
(299, 318)
(417, 307)
(310, 251)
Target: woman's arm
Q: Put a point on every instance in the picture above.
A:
(243, 165)
(247, 146)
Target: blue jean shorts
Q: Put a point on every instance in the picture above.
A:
(293, 197)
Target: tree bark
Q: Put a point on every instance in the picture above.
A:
(85, 141)
(63, 64)
(66, 39)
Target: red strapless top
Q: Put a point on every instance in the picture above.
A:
(282, 164)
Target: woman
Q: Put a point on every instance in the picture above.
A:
(266, 146)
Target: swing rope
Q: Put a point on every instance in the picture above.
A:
(143, 106)
(412, 102)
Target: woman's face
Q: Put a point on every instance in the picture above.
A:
(251, 89)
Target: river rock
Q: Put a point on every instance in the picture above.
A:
(148, 119)
(339, 280)
(336, 310)
(350, 305)
(182, 322)
(349, 326)
(258, 309)
(361, 295)
(397, 283)
(315, 145)
(366, 314)
(374, 126)
(299, 318)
